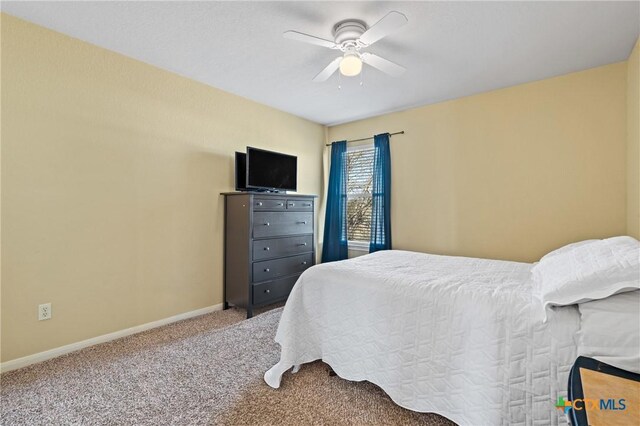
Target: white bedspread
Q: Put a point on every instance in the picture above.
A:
(457, 336)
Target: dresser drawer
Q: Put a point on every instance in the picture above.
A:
(280, 247)
(272, 291)
(270, 269)
(273, 224)
(299, 205)
(269, 204)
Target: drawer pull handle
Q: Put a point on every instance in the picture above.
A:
(303, 244)
(280, 204)
(304, 222)
(259, 203)
(266, 248)
(266, 269)
(267, 291)
(292, 204)
(304, 263)
(307, 205)
(267, 224)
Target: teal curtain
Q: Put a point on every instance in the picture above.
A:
(334, 246)
(381, 197)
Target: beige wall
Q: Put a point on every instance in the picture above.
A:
(111, 174)
(509, 174)
(633, 142)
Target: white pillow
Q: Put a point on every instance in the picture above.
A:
(566, 248)
(610, 330)
(588, 272)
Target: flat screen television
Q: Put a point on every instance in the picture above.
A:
(241, 171)
(273, 171)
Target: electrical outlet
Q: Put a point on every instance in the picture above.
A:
(44, 311)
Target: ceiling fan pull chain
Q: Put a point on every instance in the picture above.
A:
(339, 81)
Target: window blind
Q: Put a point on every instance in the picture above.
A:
(359, 188)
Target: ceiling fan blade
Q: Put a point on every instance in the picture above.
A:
(328, 71)
(388, 24)
(382, 64)
(306, 38)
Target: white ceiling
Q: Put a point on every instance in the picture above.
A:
(450, 49)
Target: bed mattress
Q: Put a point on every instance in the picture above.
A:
(461, 337)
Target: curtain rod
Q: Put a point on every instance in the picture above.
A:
(366, 139)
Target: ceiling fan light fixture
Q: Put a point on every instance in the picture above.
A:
(351, 65)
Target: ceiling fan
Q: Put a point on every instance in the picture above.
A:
(350, 37)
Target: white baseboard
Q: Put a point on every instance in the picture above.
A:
(62, 350)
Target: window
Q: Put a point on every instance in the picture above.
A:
(359, 189)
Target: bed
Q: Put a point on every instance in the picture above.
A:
(461, 337)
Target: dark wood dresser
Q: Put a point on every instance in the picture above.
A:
(269, 240)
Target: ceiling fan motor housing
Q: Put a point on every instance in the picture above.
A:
(347, 32)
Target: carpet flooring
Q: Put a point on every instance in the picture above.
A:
(205, 370)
